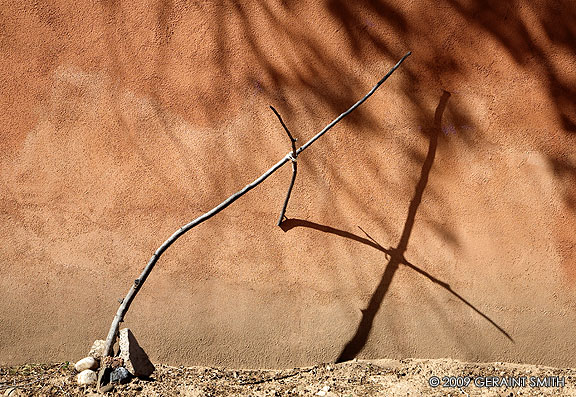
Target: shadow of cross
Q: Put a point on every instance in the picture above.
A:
(395, 255)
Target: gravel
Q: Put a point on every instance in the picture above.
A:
(352, 378)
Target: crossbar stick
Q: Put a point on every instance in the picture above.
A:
(294, 166)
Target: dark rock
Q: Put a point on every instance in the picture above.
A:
(120, 375)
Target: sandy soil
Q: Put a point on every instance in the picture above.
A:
(351, 378)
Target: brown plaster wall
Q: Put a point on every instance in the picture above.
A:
(425, 225)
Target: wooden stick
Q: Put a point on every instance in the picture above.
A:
(283, 212)
(125, 305)
(360, 102)
(294, 166)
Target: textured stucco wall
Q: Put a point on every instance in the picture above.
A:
(450, 221)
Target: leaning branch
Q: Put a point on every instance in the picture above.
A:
(125, 305)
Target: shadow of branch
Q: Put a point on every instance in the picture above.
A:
(402, 260)
(395, 256)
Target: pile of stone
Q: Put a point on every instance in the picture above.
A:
(131, 361)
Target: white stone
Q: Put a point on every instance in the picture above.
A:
(97, 350)
(86, 363)
(135, 358)
(87, 377)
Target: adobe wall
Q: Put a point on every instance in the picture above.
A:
(424, 225)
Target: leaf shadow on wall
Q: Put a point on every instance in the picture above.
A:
(507, 23)
(395, 255)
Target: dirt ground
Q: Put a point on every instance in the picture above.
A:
(351, 378)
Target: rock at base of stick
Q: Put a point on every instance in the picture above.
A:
(87, 377)
(86, 363)
(135, 358)
(120, 375)
(97, 349)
